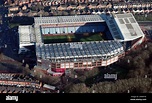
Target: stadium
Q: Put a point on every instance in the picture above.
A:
(124, 33)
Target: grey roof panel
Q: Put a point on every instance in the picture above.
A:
(124, 15)
(100, 48)
(67, 19)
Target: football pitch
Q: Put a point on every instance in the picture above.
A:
(72, 38)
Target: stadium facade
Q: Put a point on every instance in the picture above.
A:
(79, 55)
(123, 28)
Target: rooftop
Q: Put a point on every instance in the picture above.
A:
(128, 26)
(124, 27)
(26, 34)
(68, 19)
(78, 49)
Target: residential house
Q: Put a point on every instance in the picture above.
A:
(53, 7)
(34, 13)
(81, 6)
(74, 6)
(109, 5)
(40, 13)
(15, 8)
(62, 7)
(20, 14)
(100, 6)
(24, 7)
(29, 5)
(93, 5)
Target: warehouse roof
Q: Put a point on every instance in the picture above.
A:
(78, 49)
(68, 19)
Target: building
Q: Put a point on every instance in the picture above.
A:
(18, 79)
(26, 38)
(124, 28)
(78, 55)
(19, 83)
(15, 8)
(124, 32)
(68, 25)
(59, 25)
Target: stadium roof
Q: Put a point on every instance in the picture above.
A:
(68, 19)
(78, 49)
(26, 35)
(124, 27)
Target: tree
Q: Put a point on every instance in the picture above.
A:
(86, 9)
(45, 14)
(79, 88)
(47, 8)
(91, 73)
(130, 74)
(64, 13)
(59, 13)
(138, 62)
(145, 54)
(82, 78)
(72, 12)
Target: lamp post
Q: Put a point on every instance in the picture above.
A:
(40, 76)
(146, 76)
(34, 71)
(75, 76)
(128, 91)
(146, 46)
(93, 91)
(128, 61)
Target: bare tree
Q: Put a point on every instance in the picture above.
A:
(79, 88)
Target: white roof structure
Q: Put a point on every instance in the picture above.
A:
(123, 27)
(49, 87)
(78, 50)
(26, 35)
(67, 19)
